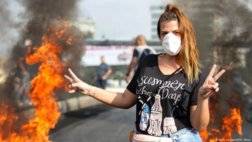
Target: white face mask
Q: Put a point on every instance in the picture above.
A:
(171, 44)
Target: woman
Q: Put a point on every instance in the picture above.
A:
(140, 51)
(171, 103)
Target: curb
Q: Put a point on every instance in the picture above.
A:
(71, 104)
(76, 103)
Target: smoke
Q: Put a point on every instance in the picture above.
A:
(246, 3)
(37, 17)
(223, 33)
(11, 24)
(43, 14)
(236, 24)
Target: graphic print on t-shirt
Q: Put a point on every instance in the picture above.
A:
(145, 115)
(163, 101)
(156, 117)
(168, 90)
(169, 126)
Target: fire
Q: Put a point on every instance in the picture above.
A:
(230, 124)
(48, 79)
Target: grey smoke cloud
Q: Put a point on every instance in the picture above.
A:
(21, 19)
(31, 19)
(11, 23)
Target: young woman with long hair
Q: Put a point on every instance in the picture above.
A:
(170, 95)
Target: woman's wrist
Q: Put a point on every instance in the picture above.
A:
(91, 91)
(202, 99)
(88, 90)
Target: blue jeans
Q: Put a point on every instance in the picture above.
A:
(186, 135)
(101, 83)
(183, 135)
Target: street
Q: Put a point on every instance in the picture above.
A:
(95, 124)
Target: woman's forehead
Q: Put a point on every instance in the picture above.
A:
(169, 25)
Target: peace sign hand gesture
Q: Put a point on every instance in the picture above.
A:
(76, 84)
(210, 85)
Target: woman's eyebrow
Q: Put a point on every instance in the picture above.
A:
(170, 31)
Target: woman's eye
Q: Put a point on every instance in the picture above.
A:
(163, 34)
(176, 32)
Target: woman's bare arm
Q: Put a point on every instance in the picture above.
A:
(120, 100)
(199, 114)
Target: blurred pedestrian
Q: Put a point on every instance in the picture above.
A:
(140, 51)
(102, 73)
(169, 92)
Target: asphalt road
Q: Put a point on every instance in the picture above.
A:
(105, 124)
(95, 124)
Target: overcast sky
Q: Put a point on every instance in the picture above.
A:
(123, 19)
(114, 19)
(119, 19)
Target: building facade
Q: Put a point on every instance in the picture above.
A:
(156, 11)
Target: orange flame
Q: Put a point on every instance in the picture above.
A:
(230, 124)
(48, 79)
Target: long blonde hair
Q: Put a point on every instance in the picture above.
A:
(188, 57)
(140, 40)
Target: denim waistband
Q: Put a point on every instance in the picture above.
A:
(183, 135)
(178, 133)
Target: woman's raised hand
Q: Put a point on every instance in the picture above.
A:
(210, 85)
(76, 84)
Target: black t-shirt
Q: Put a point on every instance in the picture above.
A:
(141, 52)
(163, 104)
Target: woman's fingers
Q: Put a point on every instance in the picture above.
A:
(73, 75)
(71, 91)
(210, 81)
(75, 85)
(212, 93)
(219, 74)
(208, 94)
(216, 85)
(217, 89)
(211, 87)
(214, 74)
(68, 78)
(212, 71)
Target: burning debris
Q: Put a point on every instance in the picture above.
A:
(230, 124)
(48, 79)
(48, 43)
(39, 16)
